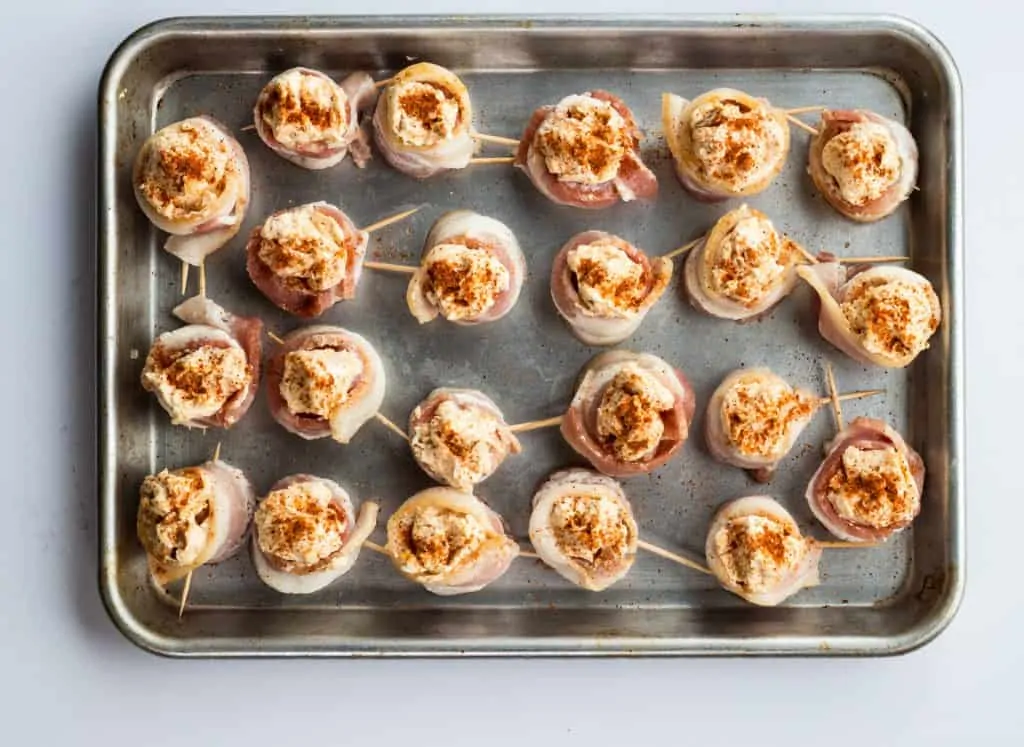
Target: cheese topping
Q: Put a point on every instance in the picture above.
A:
(301, 527)
(864, 161)
(758, 552)
(734, 143)
(306, 109)
(462, 282)
(760, 412)
(437, 540)
(464, 444)
(584, 140)
(318, 382)
(196, 382)
(423, 114)
(306, 245)
(609, 282)
(891, 317)
(874, 487)
(629, 416)
(749, 262)
(186, 169)
(175, 515)
(595, 531)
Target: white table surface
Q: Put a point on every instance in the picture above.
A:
(68, 675)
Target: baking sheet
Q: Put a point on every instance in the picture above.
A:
(871, 600)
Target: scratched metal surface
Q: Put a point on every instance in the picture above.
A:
(528, 363)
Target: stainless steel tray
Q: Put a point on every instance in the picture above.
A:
(872, 602)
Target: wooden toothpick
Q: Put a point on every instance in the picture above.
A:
(837, 409)
(805, 109)
(184, 594)
(247, 128)
(528, 554)
(802, 125)
(382, 83)
(674, 557)
(852, 395)
(388, 267)
(684, 248)
(376, 548)
(533, 425)
(391, 426)
(388, 221)
(838, 545)
(274, 337)
(497, 139)
(184, 277)
(202, 278)
(500, 159)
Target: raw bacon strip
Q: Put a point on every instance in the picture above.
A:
(603, 286)
(191, 179)
(308, 119)
(616, 394)
(585, 152)
(472, 271)
(449, 542)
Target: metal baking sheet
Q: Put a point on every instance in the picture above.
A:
(871, 602)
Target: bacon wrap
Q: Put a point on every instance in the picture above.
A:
(700, 261)
(579, 425)
(836, 122)
(290, 294)
(232, 505)
(422, 162)
(801, 576)
(587, 483)
(832, 282)
(365, 398)
(675, 115)
(503, 442)
(476, 232)
(192, 241)
(761, 468)
(491, 560)
(208, 323)
(867, 434)
(360, 94)
(589, 326)
(634, 180)
(357, 531)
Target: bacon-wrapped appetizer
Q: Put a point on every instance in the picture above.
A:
(870, 484)
(585, 152)
(308, 119)
(725, 143)
(742, 268)
(883, 316)
(449, 542)
(459, 437)
(864, 164)
(755, 549)
(583, 527)
(191, 179)
(193, 516)
(423, 123)
(631, 413)
(306, 534)
(603, 286)
(206, 373)
(753, 419)
(307, 258)
(325, 381)
(471, 272)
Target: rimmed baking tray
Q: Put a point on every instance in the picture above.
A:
(872, 602)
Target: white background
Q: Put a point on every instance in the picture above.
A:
(68, 675)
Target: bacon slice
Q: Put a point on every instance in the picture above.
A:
(632, 181)
(168, 188)
(835, 123)
(607, 324)
(742, 269)
(583, 527)
(756, 551)
(219, 526)
(449, 542)
(352, 96)
(580, 424)
(459, 437)
(753, 152)
(362, 401)
(889, 331)
(865, 434)
(295, 294)
(479, 234)
(295, 530)
(422, 160)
